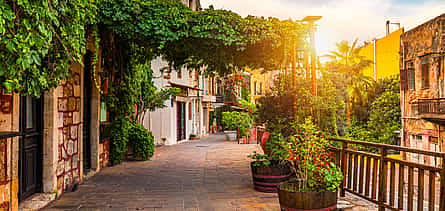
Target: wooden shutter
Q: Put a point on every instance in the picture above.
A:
(190, 111)
(425, 76)
(403, 80)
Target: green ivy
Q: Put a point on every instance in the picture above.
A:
(39, 40)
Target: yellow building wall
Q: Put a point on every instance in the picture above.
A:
(257, 77)
(387, 53)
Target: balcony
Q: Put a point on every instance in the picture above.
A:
(209, 98)
(432, 110)
(219, 99)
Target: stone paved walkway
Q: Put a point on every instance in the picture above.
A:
(208, 174)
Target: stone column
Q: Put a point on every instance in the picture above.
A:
(51, 135)
(95, 128)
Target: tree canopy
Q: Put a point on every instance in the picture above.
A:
(40, 39)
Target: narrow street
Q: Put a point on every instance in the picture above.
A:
(207, 174)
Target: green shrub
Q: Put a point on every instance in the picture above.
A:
(118, 132)
(141, 141)
(124, 133)
(235, 120)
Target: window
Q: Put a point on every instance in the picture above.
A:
(103, 112)
(179, 73)
(254, 88)
(190, 111)
(434, 146)
(104, 121)
(261, 88)
(411, 76)
(416, 142)
(425, 73)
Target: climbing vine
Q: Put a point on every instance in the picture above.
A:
(39, 40)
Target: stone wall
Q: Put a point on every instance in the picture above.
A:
(70, 129)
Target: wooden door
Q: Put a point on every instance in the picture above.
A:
(30, 147)
(180, 121)
(87, 112)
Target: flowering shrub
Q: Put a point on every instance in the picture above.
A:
(315, 169)
(276, 150)
(233, 86)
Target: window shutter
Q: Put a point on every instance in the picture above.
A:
(190, 111)
(403, 80)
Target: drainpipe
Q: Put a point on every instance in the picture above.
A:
(375, 59)
(402, 97)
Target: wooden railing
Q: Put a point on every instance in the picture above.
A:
(430, 106)
(391, 183)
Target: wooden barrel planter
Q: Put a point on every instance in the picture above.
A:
(300, 201)
(267, 178)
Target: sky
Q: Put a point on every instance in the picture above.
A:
(342, 19)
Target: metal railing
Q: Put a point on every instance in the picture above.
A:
(219, 99)
(429, 106)
(389, 182)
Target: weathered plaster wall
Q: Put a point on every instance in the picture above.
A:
(425, 41)
(9, 121)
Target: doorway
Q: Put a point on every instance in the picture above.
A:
(30, 147)
(86, 129)
(180, 121)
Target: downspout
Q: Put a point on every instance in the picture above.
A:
(375, 59)
(402, 97)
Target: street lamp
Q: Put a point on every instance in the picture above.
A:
(310, 20)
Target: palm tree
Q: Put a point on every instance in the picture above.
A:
(347, 61)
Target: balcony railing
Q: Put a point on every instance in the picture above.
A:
(429, 106)
(219, 99)
(391, 183)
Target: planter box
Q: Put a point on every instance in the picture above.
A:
(267, 178)
(326, 200)
(231, 135)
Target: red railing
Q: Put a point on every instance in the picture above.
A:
(391, 183)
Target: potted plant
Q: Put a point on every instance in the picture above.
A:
(272, 168)
(192, 136)
(163, 139)
(317, 178)
(230, 127)
(236, 122)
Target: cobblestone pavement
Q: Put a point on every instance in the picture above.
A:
(207, 174)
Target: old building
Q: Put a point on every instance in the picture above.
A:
(49, 144)
(189, 112)
(261, 83)
(423, 88)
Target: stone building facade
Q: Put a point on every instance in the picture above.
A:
(49, 144)
(422, 56)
